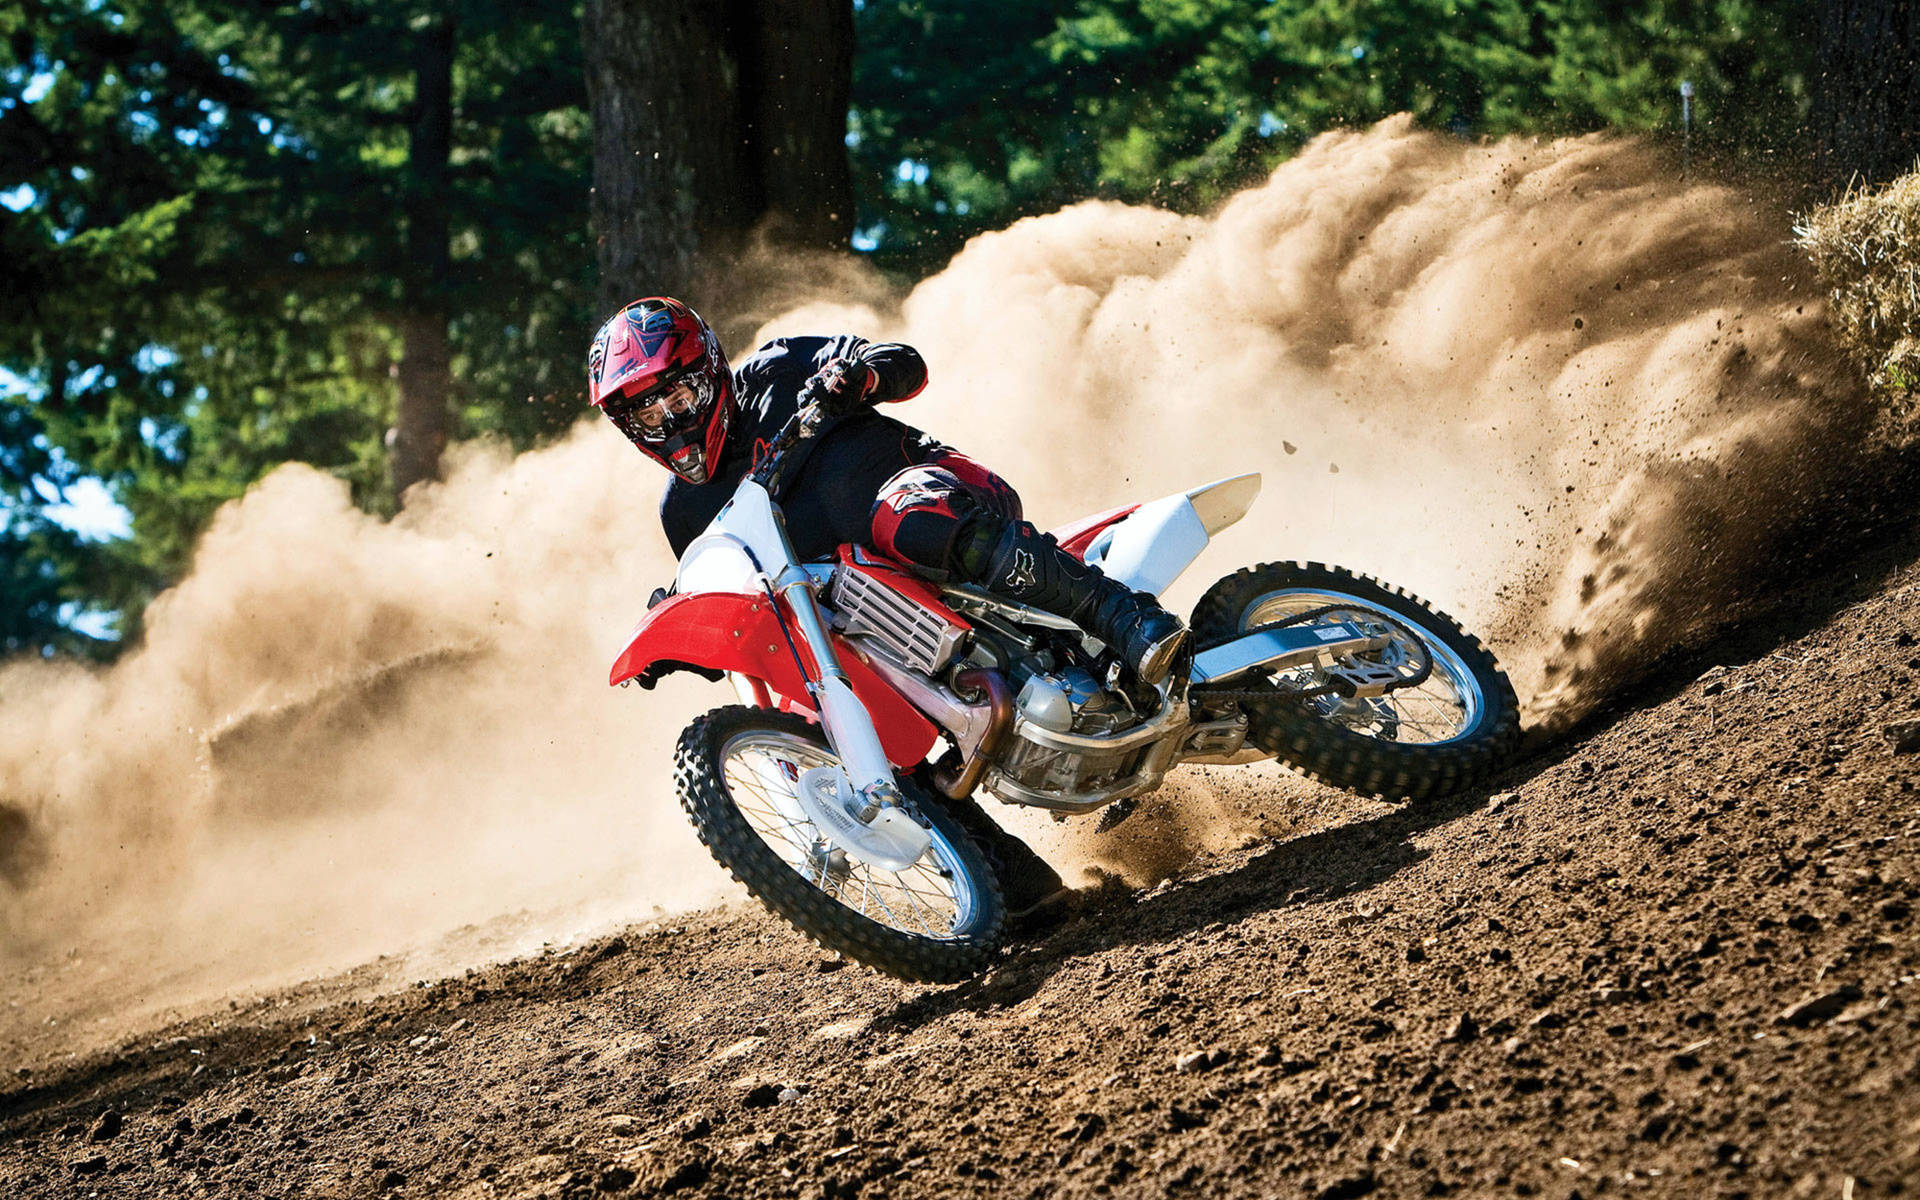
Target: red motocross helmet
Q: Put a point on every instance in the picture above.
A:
(639, 360)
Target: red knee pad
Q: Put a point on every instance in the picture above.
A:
(915, 516)
(990, 491)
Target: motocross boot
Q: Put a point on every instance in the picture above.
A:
(1019, 562)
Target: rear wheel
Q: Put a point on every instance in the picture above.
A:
(1451, 729)
(737, 770)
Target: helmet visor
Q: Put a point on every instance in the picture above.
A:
(675, 404)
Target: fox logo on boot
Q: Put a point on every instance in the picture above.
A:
(1020, 576)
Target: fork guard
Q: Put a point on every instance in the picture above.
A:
(739, 632)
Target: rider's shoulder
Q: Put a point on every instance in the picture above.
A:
(795, 344)
(769, 358)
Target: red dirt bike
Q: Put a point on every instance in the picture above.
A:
(823, 795)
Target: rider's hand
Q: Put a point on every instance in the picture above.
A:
(839, 387)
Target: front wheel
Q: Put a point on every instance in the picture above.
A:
(737, 770)
(1456, 726)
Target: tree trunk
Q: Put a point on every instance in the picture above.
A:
(800, 59)
(420, 428)
(1866, 91)
(712, 121)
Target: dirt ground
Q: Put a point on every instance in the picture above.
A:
(1672, 955)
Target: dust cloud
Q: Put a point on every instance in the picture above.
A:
(1568, 396)
(1575, 400)
(1550, 386)
(344, 738)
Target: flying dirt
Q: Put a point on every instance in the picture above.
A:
(1568, 396)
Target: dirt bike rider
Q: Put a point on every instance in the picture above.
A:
(657, 371)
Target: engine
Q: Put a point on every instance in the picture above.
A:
(1076, 746)
(1073, 744)
(1071, 700)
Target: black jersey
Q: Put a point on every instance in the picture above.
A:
(828, 495)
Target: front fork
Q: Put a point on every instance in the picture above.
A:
(849, 729)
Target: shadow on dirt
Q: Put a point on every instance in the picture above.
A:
(1306, 870)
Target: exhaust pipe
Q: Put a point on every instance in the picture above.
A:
(958, 785)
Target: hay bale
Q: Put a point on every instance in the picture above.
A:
(1866, 247)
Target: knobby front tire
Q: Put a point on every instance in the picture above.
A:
(940, 920)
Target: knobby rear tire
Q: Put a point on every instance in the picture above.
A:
(700, 779)
(1341, 757)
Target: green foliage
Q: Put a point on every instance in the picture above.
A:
(205, 277)
(44, 568)
(206, 282)
(1016, 106)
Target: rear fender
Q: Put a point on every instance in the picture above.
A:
(738, 632)
(1075, 536)
(1148, 548)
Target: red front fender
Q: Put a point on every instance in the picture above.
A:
(731, 631)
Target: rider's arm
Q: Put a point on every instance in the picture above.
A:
(898, 370)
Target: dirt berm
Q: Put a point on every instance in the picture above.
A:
(1674, 955)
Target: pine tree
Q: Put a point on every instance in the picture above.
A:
(1866, 91)
(248, 234)
(714, 124)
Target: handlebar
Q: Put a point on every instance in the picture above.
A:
(821, 398)
(813, 415)
(795, 431)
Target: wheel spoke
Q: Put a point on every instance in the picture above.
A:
(929, 916)
(761, 772)
(1439, 709)
(884, 908)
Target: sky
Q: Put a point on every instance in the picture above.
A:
(92, 512)
(90, 509)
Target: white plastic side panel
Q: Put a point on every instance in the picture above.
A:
(715, 563)
(1149, 547)
(749, 517)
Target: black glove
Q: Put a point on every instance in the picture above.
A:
(838, 388)
(661, 668)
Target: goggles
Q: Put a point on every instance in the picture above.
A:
(673, 405)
